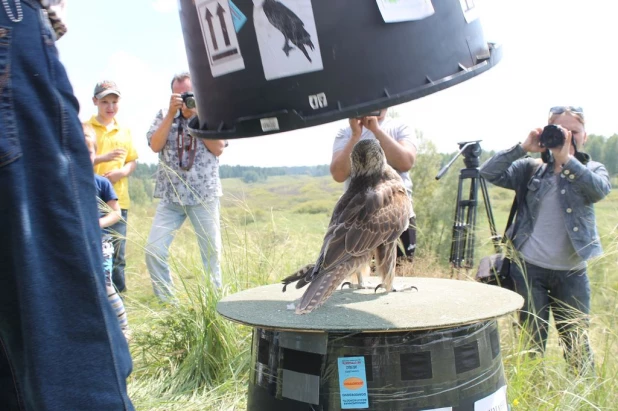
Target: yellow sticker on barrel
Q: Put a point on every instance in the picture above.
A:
(353, 383)
(219, 35)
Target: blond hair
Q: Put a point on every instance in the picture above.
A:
(578, 116)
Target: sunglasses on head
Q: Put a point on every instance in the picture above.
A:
(561, 109)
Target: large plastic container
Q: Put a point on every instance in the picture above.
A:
(458, 368)
(268, 66)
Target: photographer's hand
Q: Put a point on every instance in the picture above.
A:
(158, 139)
(356, 125)
(371, 123)
(562, 154)
(340, 166)
(188, 113)
(532, 145)
(175, 104)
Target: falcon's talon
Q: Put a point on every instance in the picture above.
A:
(357, 286)
(406, 288)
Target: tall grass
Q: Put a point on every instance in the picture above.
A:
(187, 357)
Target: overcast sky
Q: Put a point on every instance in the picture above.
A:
(555, 52)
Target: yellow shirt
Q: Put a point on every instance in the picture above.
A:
(109, 140)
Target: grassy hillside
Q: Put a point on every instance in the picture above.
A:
(186, 357)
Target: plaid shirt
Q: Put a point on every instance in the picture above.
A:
(184, 187)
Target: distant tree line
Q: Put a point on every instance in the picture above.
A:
(600, 148)
(604, 150)
(262, 173)
(225, 171)
(142, 179)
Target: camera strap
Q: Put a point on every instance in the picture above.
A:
(519, 200)
(185, 142)
(582, 157)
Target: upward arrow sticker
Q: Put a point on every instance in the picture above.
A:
(220, 13)
(211, 29)
(221, 43)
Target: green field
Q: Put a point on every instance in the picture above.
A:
(186, 357)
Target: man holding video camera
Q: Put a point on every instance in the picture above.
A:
(399, 144)
(555, 231)
(188, 185)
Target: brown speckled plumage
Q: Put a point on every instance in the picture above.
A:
(366, 222)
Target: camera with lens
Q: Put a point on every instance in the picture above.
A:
(189, 99)
(552, 137)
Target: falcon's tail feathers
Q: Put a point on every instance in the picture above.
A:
(297, 276)
(321, 288)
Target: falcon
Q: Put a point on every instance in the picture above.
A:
(366, 223)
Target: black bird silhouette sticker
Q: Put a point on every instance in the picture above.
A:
(290, 25)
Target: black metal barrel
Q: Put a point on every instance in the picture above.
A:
(268, 66)
(458, 368)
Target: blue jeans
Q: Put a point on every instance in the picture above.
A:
(567, 295)
(61, 347)
(119, 233)
(167, 220)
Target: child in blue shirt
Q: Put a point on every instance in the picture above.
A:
(109, 214)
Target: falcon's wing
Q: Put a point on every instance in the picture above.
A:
(370, 218)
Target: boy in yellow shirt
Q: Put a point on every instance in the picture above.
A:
(115, 160)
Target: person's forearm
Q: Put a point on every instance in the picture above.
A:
(159, 137)
(340, 167)
(503, 168)
(128, 168)
(100, 159)
(398, 156)
(109, 219)
(214, 146)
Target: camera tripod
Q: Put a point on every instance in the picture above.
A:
(464, 225)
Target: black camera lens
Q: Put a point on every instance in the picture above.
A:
(189, 100)
(552, 137)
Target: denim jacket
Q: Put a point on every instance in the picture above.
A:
(580, 185)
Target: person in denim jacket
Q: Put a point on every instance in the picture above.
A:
(555, 231)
